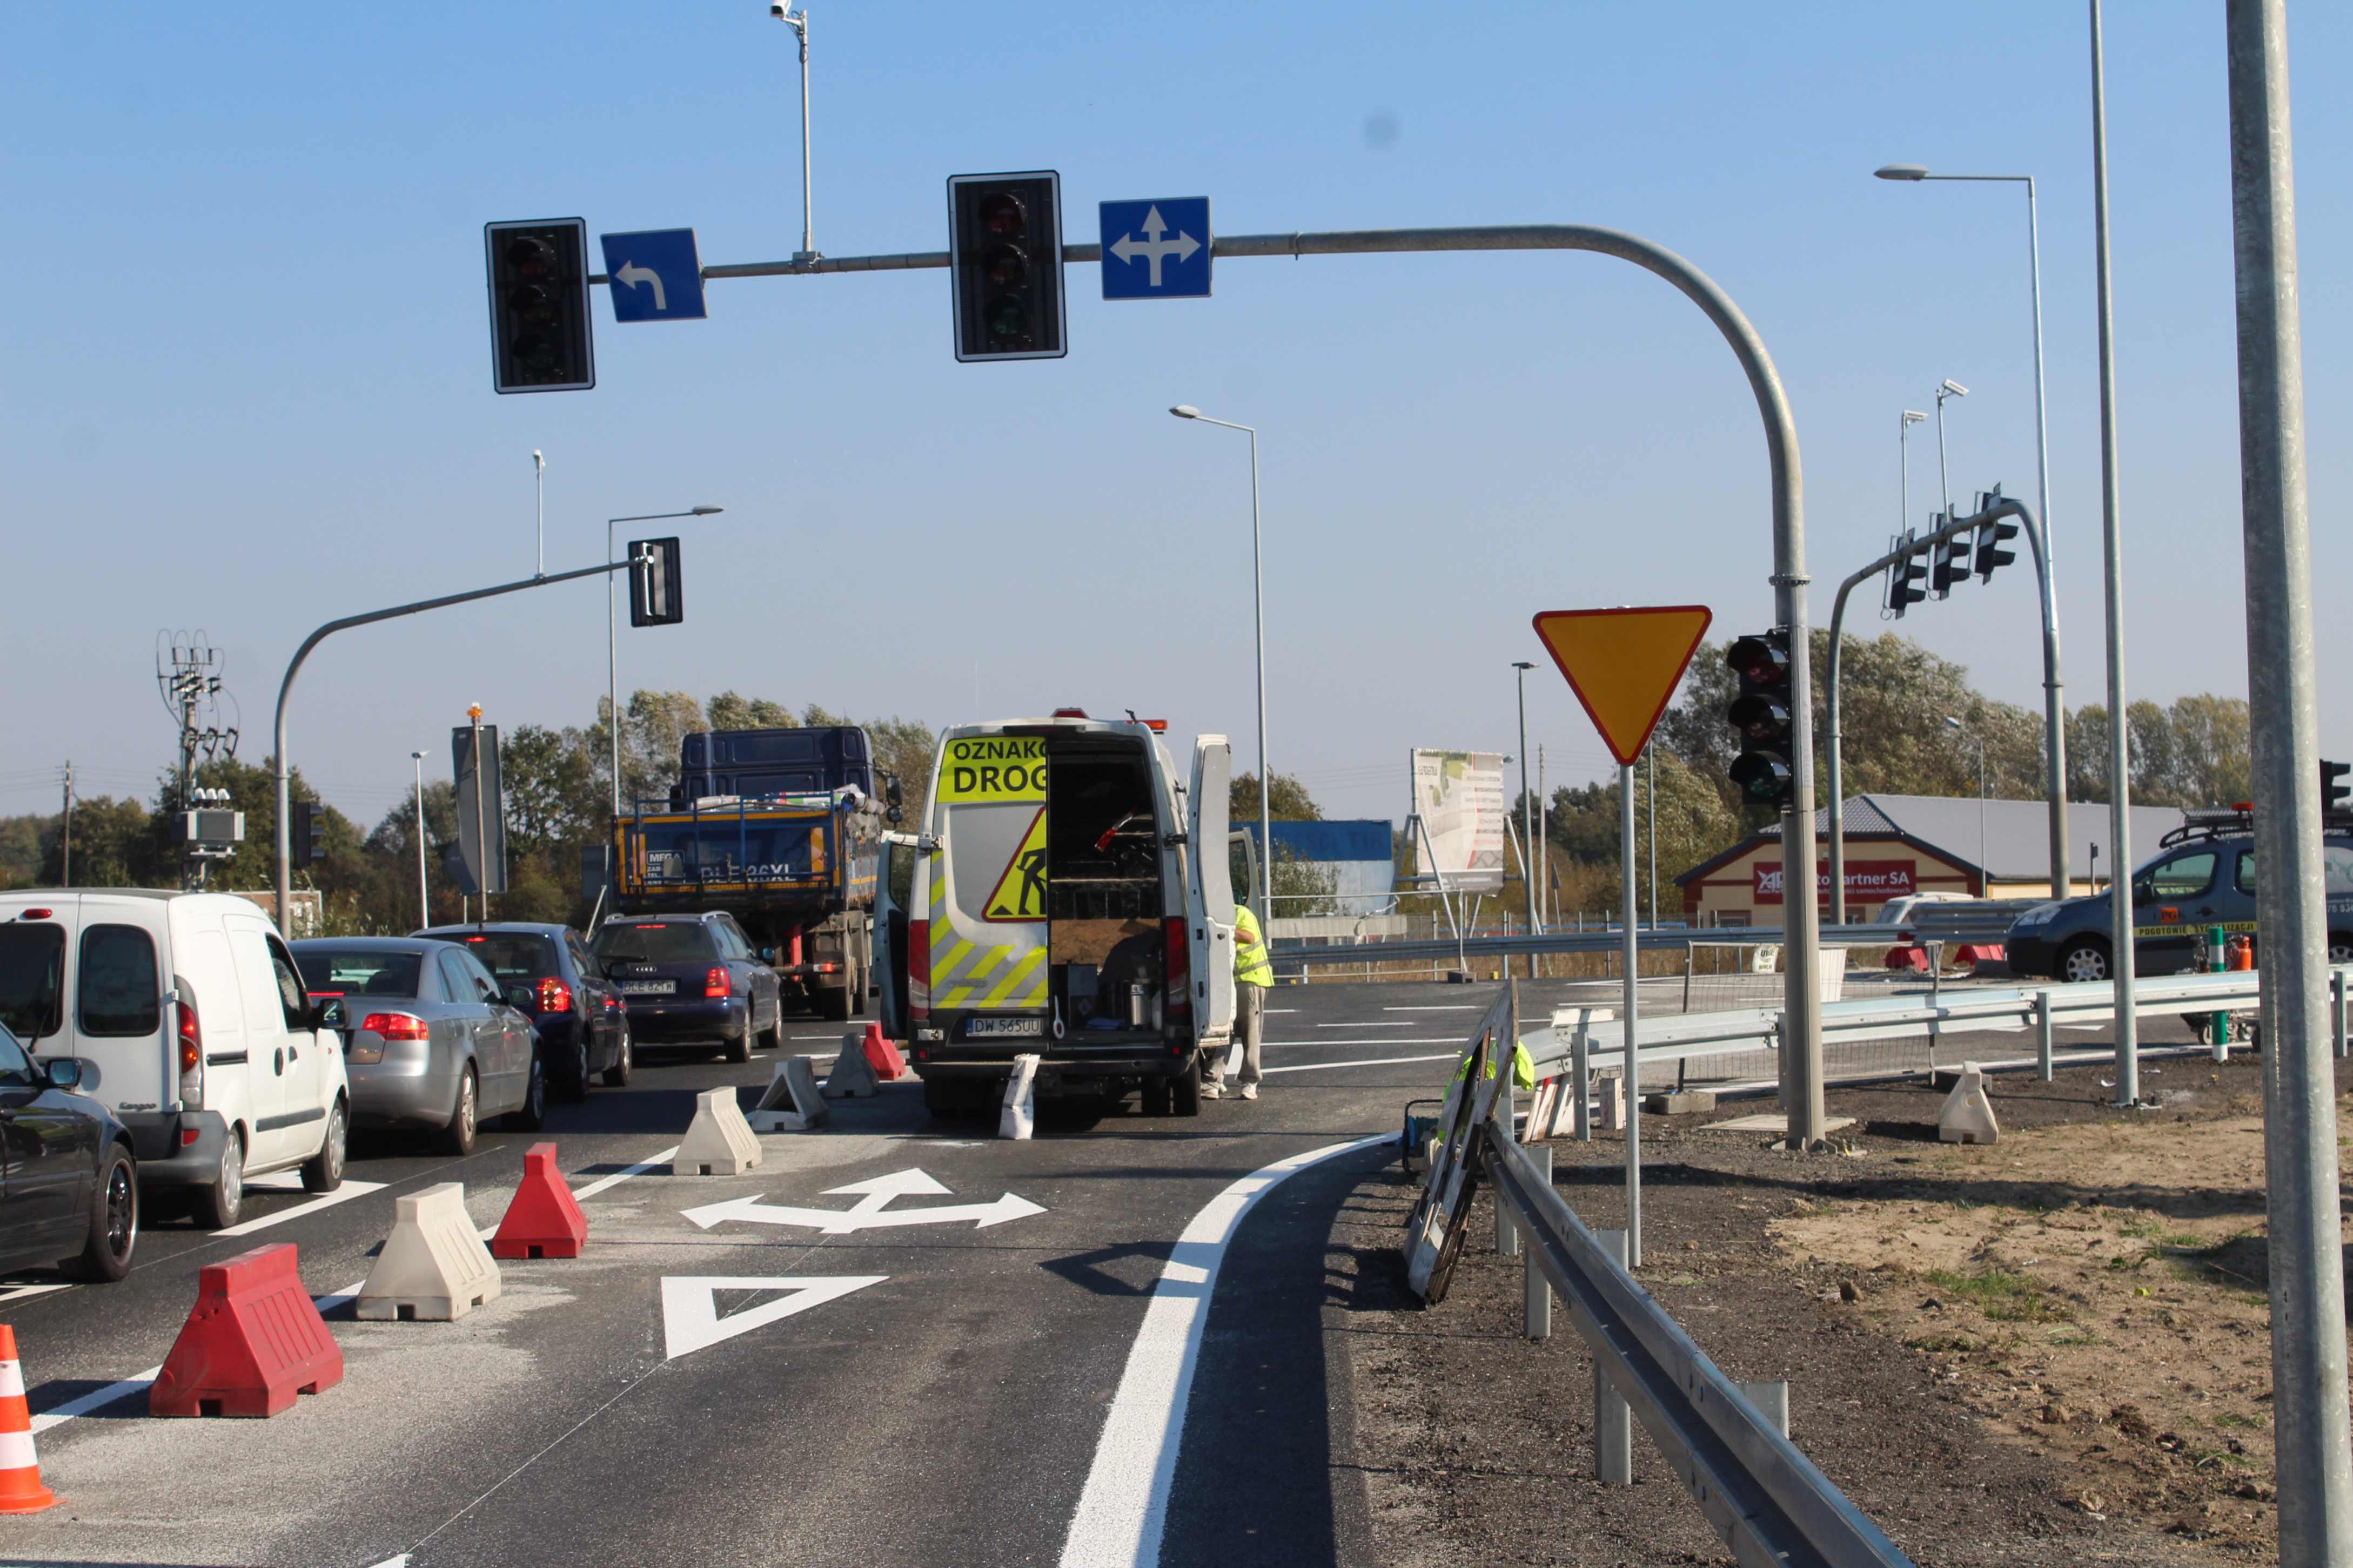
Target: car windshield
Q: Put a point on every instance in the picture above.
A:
(652, 942)
(32, 977)
(357, 971)
(510, 955)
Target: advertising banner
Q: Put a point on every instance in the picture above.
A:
(1459, 797)
(1867, 881)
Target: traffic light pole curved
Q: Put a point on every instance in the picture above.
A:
(281, 829)
(1835, 783)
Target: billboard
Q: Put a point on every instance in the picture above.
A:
(1459, 795)
(1867, 881)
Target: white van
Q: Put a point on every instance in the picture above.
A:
(191, 1023)
(1072, 898)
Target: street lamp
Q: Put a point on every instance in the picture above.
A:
(1955, 725)
(1527, 802)
(1948, 388)
(612, 665)
(424, 908)
(1904, 463)
(1258, 591)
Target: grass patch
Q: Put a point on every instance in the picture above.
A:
(2001, 1295)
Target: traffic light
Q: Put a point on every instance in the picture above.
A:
(1992, 537)
(1761, 715)
(1952, 564)
(302, 829)
(1904, 579)
(1005, 263)
(655, 587)
(2332, 794)
(539, 306)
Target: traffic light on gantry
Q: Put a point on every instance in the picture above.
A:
(303, 843)
(1761, 717)
(1906, 582)
(1990, 539)
(540, 339)
(2333, 791)
(1952, 565)
(1004, 262)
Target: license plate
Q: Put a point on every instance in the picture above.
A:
(978, 1027)
(649, 987)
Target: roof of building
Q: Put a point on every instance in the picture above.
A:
(2017, 834)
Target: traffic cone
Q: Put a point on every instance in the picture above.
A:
(21, 1491)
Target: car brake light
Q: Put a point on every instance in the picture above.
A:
(919, 969)
(1070, 712)
(33, 914)
(1177, 964)
(192, 1038)
(716, 983)
(395, 1025)
(555, 997)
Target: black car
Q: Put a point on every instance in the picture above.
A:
(71, 1197)
(692, 978)
(582, 1024)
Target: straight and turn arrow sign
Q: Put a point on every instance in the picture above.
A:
(872, 1210)
(1155, 247)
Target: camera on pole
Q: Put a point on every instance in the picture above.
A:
(1761, 713)
(540, 339)
(1005, 265)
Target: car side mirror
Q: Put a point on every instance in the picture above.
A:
(327, 1013)
(64, 1072)
(767, 955)
(518, 997)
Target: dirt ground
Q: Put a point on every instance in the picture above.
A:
(2050, 1350)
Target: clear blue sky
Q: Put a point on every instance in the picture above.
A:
(247, 384)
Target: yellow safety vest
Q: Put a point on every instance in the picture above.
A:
(1251, 964)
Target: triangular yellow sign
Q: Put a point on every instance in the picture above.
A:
(1020, 890)
(1624, 665)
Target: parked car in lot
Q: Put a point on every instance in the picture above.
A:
(187, 1016)
(71, 1197)
(577, 1013)
(430, 1039)
(690, 979)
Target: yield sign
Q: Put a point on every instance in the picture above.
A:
(690, 1320)
(1624, 665)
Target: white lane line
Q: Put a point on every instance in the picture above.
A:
(1378, 1040)
(1124, 1508)
(341, 1195)
(1367, 1062)
(24, 1292)
(1445, 1007)
(1278, 1010)
(101, 1397)
(1377, 1023)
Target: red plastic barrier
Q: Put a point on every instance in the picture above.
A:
(254, 1341)
(1907, 958)
(545, 1219)
(1976, 952)
(883, 1057)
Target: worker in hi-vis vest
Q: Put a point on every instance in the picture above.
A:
(1252, 975)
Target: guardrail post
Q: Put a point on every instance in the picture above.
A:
(2043, 1043)
(2336, 1013)
(1613, 1419)
(1580, 1073)
(1507, 1235)
(1772, 1402)
(1535, 1290)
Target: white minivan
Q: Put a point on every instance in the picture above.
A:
(1073, 897)
(191, 1025)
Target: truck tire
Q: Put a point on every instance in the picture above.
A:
(1184, 1090)
(1155, 1099)
(831, 1002)
(854, 993)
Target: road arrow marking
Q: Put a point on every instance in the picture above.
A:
(872, 1211)
(632, 274)
(1153, 247)
(690, 1320)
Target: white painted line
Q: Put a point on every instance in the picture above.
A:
(1384, 1023)
(1445, 1007)
(617, 1177)
(97, 1399)
(399, 1562)
(1377, 1040)
(1278, 1009)
(341, 1195)
(1124, 1508)
(26, 1292)
(1367, 1062)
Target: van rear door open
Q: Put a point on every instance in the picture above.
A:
(1209, 887)
(989, 934)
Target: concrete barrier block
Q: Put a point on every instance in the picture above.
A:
(718, 1142)
(1967, 1116)
(1019, 1119)
(433, 1267)
(793, 1102)
(1680, 1102)
(853, 1075)
(1609, 1092)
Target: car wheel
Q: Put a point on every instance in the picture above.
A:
(114, 1222)
(2340, 947)
(774, 1040)
(218, 1204)
(739, 1046)
(532, 1114)
(323, 1172)
(2083, 962)
(457, 1138)
(1184, 1091)
(618, 1075)
(572, 1084)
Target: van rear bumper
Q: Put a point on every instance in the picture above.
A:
(168, 1155)
(1054, 1070)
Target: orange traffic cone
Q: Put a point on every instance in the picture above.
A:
(21, 1491)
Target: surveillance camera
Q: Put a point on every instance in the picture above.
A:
(776, 8)
(1955, 388)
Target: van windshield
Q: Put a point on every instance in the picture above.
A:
(32, 978)
(664, 941)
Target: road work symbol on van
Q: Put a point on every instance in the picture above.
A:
(994, 768)
(1020, 890)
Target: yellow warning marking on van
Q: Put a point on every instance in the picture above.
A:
(946, 955)
(1020, 891)
(1002, 995)
(994, 768)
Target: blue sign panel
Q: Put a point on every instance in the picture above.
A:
(656, 274)
(1157, 249)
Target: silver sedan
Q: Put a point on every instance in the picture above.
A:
(430, 1039)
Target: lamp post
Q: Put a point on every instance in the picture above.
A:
(1258, 592)
(1984, 877)
(1949, 388)
(612, 664)
(1904, 463)
(424, 907)
(1527, 803)
(2037, 537)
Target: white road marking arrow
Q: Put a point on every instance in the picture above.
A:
(632, 274)
(1153, 247)
(872, 1210)
(690, 1320)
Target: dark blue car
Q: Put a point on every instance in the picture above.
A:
(691, 980)
(577, 1012)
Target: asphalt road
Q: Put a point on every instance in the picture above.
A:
(908, 1392)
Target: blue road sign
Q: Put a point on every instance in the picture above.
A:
(1157, 249)
(657, 275)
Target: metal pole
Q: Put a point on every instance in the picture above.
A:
(612, 675)
(1944, 479)
(2054, 717)
(2120, 861)
(1265, 768)
(539, 514)
(1544, 830)
(481, 823)
(1527, 810)
(808, 210)
(64, 878)
(424, 903)
(2308, 1304)
(1628, 952)
(1651, 800)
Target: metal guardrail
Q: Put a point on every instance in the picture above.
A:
(1978, 921)
(1606, 941)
